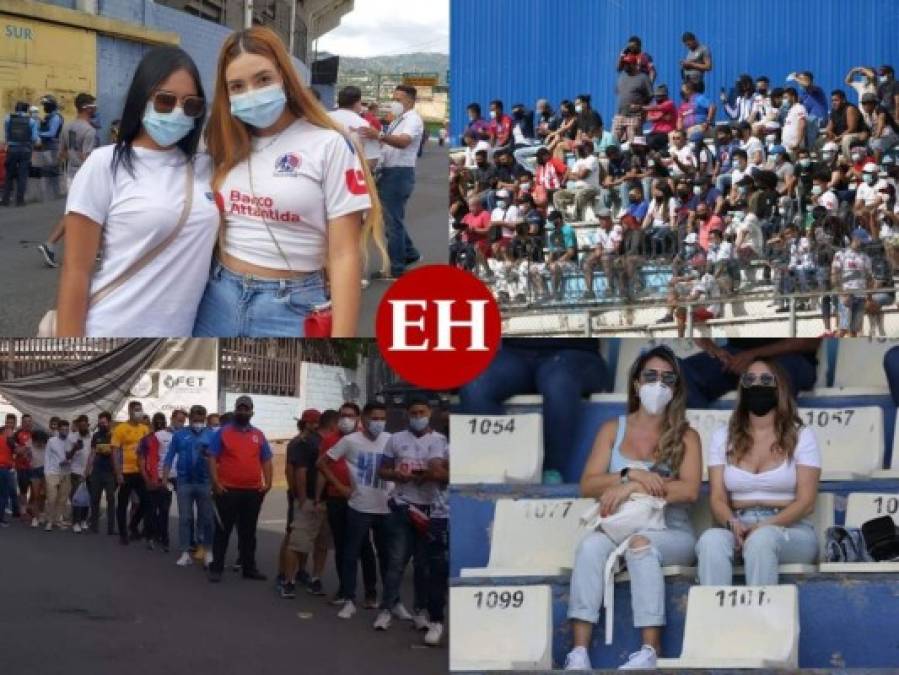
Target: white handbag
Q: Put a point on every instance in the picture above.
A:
(47, 326)
(639, 513)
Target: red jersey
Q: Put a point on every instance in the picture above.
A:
(339, 468)
(23, 439)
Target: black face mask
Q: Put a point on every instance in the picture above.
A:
(242, 418)
(760, 400)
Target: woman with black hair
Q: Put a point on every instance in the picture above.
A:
(145, 205)
(764, 469)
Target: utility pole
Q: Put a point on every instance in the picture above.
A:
(247, 13)
(293, 26)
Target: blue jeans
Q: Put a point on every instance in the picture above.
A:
(891, 368)
(765, 549)
(395, 185)
(190, 494)
(438, 567)
(17, 164)
(358, 525)
(404, 542)
(852, 316)
(707, 380)
(7, 492)
(242, 306)
(562, 378)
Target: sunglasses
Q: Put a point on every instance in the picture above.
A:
(751, 379)
(165, 102)
(651, 376)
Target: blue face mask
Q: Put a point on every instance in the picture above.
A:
(375, 427)
(419, 424)
(259, 108)
(166, 129)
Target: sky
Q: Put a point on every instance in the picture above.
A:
(381, 27)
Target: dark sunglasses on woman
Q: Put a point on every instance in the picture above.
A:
(165, 102)
(764, 380)
(651, 376)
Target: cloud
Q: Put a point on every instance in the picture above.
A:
(381, 27)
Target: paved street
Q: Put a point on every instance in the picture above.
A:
(29, 286)
(84, 605)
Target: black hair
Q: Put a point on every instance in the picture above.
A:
(349, 96)
(636, 40)
(226, 418)
(763, 78)
(792, 92)
(475, 108)
(352, 406)
(54, 419)
(159, 417)
(839, 92)
(40, 437)
(585, 98)
(687, 37)
(21, 107)
(81, 418)
(496, 103)
(329, 418)
(740, 152)
(154, 68)
(777, 91)
(134, 404)
(62, 423)
(417, 400)
(372, 406)
(11, 416)
(105, 415)
(412, 92)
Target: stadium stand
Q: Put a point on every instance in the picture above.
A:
(840, 605)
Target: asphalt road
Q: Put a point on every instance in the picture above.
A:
(29, 286)
(84, 605)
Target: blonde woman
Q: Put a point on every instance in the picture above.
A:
(293, 191)
(764, 469)
(651, 450)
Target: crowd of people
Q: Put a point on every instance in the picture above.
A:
(769, 186)
(374, 497)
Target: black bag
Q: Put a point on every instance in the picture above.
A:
(881, 538)
(35, 171)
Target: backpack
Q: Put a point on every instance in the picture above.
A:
(19, 130)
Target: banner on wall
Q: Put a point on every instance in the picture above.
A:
(183, 373)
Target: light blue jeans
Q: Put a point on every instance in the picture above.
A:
(234, 305)
(673, 546)
(190, 494)
(763, 551)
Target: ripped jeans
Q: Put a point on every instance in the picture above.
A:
(763, 550)
(673, 546)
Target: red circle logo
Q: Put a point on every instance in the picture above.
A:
(438, 327)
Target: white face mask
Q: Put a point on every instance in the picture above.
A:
(502, 204)
(654, 397)
(397, 109)
(771, 139)
(579, 109)
(493, 114)
(525, 186)
(346, 425)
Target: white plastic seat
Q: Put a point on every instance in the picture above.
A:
(496, 448)
(859, 367)
(893, 471)
(533, 537)
(740, 627)
(630, 349)
(862, 507)
(500, 628)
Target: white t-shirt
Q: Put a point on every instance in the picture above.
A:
(136, 214)
(363, 457)
(753, 232)
(869, 194)
(724, 251)
(79, 459)
(686, 157)
(411, 124)
(659, 216)
(591, 163)
(752, 147)
(440, 503)
(303, 178)
(790, 135)
(352, 123)
(55, 462)
(776, 485)
(412, 453)
(829, 201)
(609, 240)
(470, 160)
(852, 268)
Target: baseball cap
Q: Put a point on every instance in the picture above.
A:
(629, 58)
(870, 97)
(830, 146)
(310, 415)
(690, 238)
(502, 194)
(243, 402)
(603, 212)
(778, 150)
(639, 140)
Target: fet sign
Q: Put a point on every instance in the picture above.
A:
(438, 327)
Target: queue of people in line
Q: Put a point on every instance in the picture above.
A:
(348, 481)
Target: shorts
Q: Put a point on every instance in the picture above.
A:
(23, 476)
(37, 473)
(852, 316)
(309, 528)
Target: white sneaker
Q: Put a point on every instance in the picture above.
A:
(348, 610)
(421, 620)
(578, 659)
(434, 634)
(401, 613)
(207, 559)
(35, 522)
(645, 659)
(76, 528)
(48, 527)
(185, 560)
(383, 620)
(84, 526)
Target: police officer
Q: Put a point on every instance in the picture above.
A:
(21, 133)
(50, 131)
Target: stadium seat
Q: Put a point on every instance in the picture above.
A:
(533, 537)
(740, 627)
(497, 448)
(862, 507)
(893, 471)
(859, 368)
(851, 440)
(629, 350)
(500, 628)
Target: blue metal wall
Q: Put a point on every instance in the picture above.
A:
(522, 50)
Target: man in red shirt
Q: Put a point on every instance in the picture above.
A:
(21, 450)
(240, 468)
(477, 226)
(370, 115)
(336, 504)
(500, 129)
(7, 481)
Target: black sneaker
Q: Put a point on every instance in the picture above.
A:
(315, 587)
(668, 318)
(214, 577)
(255, 575)
(49, 256)
(288, 591)
(303, 578)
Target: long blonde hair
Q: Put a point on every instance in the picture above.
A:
(671, 447)
(787, 422)
(228, 139)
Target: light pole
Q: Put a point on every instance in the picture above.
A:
(247, 13)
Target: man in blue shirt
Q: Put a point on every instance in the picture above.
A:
(21, 135)
(562, 245)
(50, 131)
(186, 454)
(815, 101)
